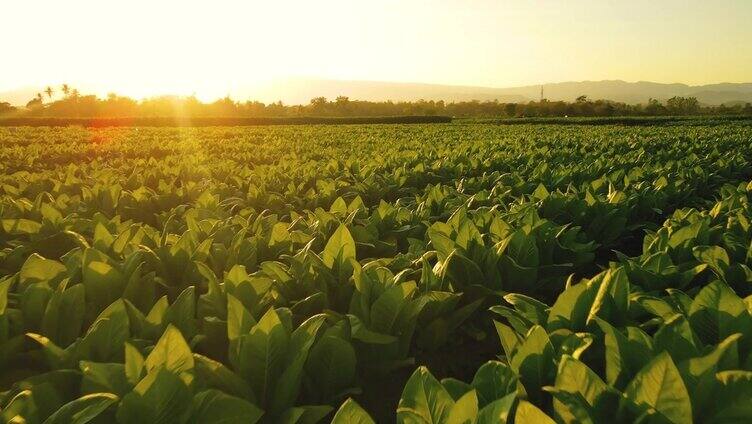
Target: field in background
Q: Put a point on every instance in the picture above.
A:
(467, 270)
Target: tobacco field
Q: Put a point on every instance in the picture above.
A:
(433, 273)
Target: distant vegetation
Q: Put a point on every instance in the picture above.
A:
(67, 102)
(217, 121)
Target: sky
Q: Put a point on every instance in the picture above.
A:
(148, 47)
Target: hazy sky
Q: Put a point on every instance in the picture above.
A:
(143, 47)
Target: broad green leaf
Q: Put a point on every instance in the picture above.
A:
(715, 256)
(4, 287)
(677, 338)
(498, 411)
(492, 381)
(731, 398)
(455, 388)
(387, 307)
(534, 361)
(424, 399)
(239, 320)
(331, 365)
(160, 398)
(659, 388)
(171, 352)
(104, 377)
(216, 375)
(572, 307)
(83, 409)
(339, 248)
(624, 355)
(38, 269)
(351, 413)
(104, 340)
(214, 407)
(715, 311)
(134, 364)
(527, 413)
(262, 355)
(20, 226)
(288, 384)
(465, 410)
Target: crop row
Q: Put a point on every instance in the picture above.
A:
(237, 275)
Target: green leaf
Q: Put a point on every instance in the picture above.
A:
(575, 378)
(214, 407)
(387, 307)
(104, 283)
(239, 320)
(4, 287)
(658, 387)
(731, 398)
(262, 355)
(677, 338)
(331, 365)
(624, 355)
(465, 410)
(715, 256)
(612, 299)
(497, 411)
(20, 226)
(715, 312)
(104, 377)
(104, 340)
(527, 413)
(424, 399)
(572, 307)
(455, 388)
(83, 409)
(492, 381)
(339, 248)
(534, 361)
(216, 375)
(160, 398)
(134, 364)
(510, 340)
(351, 413)
(171, 352)
(37, 269)
(288, 384)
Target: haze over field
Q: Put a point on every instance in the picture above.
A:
(301, 91)
(294, 50)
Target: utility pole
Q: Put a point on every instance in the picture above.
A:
(541, 95)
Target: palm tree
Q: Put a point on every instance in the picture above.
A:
(39, 96)
(66, 89)
(49, 91)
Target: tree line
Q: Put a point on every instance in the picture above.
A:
(70, 103)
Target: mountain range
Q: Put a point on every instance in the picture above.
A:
(301, 90)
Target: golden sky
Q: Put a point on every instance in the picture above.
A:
(147, 47)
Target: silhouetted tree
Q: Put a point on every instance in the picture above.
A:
(6, 108)
(74, 104)
(35, 103)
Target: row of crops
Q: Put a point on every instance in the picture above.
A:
(460, 273)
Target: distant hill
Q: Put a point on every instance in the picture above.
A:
(642, 91)
(300, 91)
